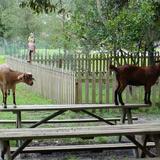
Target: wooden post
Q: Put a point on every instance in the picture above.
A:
(122, 121)
(130, 121)
(18, 124)
(60, 63)
(143, 141)
(77, 100)
(93, 89)
(129, 116)
(7, 150)
(156, 139)
(1, 150)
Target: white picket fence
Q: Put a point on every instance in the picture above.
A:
(52, 83)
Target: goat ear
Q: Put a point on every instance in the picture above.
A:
(20, 76)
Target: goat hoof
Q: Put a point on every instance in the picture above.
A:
(116, 103)
(122, 104)
(4, 105)
(14, 106)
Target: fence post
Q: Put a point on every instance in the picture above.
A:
(77, 95)
(60, 63)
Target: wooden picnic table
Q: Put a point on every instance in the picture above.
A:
(128, 130)
(59, 109)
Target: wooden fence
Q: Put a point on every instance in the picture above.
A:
(87, 87)
(96, 63)
(91, 88)
(52, 83)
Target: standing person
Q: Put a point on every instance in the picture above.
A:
(31, 46)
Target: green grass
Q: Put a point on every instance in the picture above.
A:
(2, 59)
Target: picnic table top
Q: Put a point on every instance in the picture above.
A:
(46, 107)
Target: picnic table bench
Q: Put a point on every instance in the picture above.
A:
(128, 130)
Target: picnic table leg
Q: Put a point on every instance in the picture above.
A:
(5, 150)
(98, 117)
(139, 145)
(156, 139)
(1, 150)
(129, 116)
(143, 141)
(18, 125)
(122, 121)
(130, 121)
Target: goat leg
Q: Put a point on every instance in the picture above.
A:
(149, 96)
(120, 94)
(116, 96)
(14, 95)
(5, 99)
(120, 98)
(14, 99)
(145, 98)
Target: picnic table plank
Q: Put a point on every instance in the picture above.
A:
(69, 107)
(116, 130)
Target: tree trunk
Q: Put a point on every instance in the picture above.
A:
(151, 58)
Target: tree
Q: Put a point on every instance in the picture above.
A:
(61, 8)
(111, 24)
(131, 25)
(39, 6)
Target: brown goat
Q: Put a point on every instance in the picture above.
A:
(135, 76)
(8, 80)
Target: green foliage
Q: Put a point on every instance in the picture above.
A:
(2, 59)
(38, 6)
(132, 25)
(90, 24)
(17, 22)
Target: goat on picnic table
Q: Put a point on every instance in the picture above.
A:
(135, 76)
(8, 80)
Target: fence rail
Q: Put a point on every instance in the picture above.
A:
(52, 83)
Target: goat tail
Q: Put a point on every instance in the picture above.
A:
(113, 68)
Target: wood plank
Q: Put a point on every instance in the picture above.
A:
(67, 132)
(66, 120)
(43, 149)
(68, 107)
